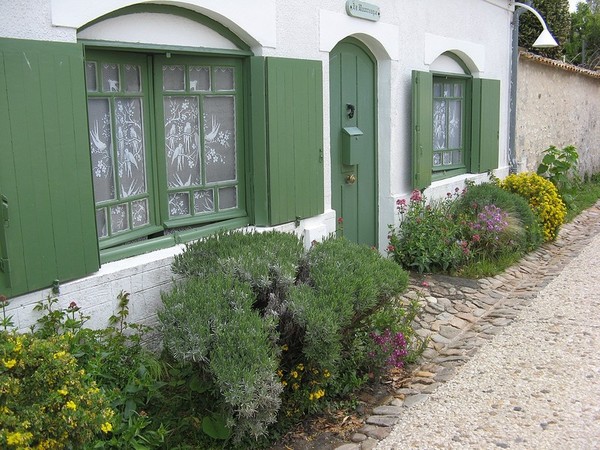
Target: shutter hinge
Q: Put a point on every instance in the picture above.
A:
(4, 265)
(320, 155)
(3, 211)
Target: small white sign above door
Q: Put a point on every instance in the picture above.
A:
(362, 10)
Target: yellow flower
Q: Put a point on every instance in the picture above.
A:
(300, 367)
(279, 373)
(294, 374)
(59, 355)
(71, 405)
(17, 438)
(284, 383)
(10, 363)
(295, 386)
(326, 373)
(63, 391)
(284, 347)
(18, 345)
(106, 427)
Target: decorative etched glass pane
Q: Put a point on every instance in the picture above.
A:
(173, 78)
(182, 139)
(101, 148)
(455, 124)
(204, 201)
(110, 77)
(219, 138)
(132, 78)
(224, 79)
(447, 158)
(439, 124)
(101, 223)
(139, 212)
(456, 157)
(91, 80)
(437, 159)
(199, 78)
(179, 204)
(130, 146)
(119, 219)
(447, 90)
(437, 89)
(458, 90)
(227, 198)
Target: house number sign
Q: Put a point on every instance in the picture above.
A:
(362, 10)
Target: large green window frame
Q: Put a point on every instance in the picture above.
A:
(438, 156)
(166, 142)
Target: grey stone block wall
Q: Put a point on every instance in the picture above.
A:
(557, 104)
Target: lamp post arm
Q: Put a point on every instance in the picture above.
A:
(537, 14)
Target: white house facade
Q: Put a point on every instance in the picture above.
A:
(129, 128)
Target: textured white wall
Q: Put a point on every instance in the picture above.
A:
(557, 105)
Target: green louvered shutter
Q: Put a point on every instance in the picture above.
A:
(486, 124)
(48, 228)
(294, 138)
(422, 129)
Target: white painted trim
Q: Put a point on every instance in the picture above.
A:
(381, 38)
(473, 55)
(255, 22)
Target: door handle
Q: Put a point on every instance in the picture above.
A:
(350, 110)
(351, 179)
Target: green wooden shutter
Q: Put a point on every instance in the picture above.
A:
(49, 229)
(422, 129)
(486, 124)
(294, 138)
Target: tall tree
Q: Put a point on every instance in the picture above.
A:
(583, 47)
(558, 19)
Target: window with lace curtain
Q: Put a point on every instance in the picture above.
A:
(448, 123)
(164, 141)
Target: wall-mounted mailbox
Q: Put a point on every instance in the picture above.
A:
(351, 142)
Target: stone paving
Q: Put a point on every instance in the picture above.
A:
(459, 316)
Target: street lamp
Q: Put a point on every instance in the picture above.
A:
(544, 40)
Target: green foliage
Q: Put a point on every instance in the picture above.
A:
(560, 167)
(543, 199)
(47, 400)
(558, 19)
(583, 46)
(426, 239)
(210, 321)
(295, 323)
(526, 234)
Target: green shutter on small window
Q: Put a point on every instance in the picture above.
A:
(48, 227)
(294, 138)
(422, 129)
(486, 124)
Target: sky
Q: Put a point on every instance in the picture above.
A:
(573, 5)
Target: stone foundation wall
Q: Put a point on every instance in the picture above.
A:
(557, 104)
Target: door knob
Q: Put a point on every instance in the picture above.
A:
(351, 179)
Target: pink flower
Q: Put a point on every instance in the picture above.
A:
(391, 248)
(424, 284)
(340, 220)
(416, 196)
(476, 238)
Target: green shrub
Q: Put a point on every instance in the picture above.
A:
(543, 199)
(297, 323)
(210, 321)
(47, 400)
(560, 167)
(525, 234)
(426, 239)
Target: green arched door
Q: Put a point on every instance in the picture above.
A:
(352, 81)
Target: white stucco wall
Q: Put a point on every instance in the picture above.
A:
(409, 36)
